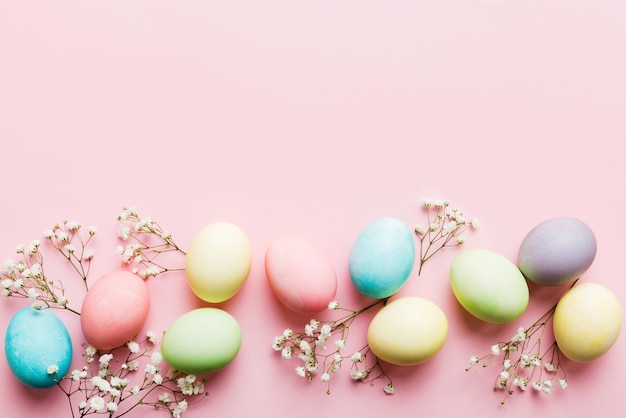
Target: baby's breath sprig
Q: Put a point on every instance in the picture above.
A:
(444, 228)
(310, 347)
(525, 361)
(25, 277)
(148, 241)
(116, 382)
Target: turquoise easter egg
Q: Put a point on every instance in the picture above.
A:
(38, 347)
(382, 258)
(201, 341)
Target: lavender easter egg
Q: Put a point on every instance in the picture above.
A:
(114, 310)
(218, 262)
(557, 251)
(587, 322)
(300, 275)
(201, 341)
(37, 347)
(382, 258)
(489, 286)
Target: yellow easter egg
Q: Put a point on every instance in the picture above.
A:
(218, 262)
(407, 331)
(587, 322)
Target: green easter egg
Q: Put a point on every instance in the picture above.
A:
(201, 341)
(489, 286)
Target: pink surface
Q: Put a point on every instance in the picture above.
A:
(314, 119)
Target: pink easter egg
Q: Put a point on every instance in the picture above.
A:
(301, 277)
(114, 310)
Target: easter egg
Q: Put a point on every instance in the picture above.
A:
(587, 321)
(201, 341)
(37, 347)
(407, 331)
(557, 251)
(301, 277)
(489, 286)
(114, 310)
(382, 258)
(218, 262)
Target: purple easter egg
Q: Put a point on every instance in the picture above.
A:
(557, 251)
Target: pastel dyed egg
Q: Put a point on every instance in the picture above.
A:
(37, 347)
(201, 341)
(382, 258)
(218, 262)
(587, 321)
(407, 331)
(114, 310)
(489, 286)
(300, 275)
(557, 251)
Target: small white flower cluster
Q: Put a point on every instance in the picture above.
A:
(148, 242)
(524, 364)
(108, 384)
(25, 277)
(445, 227)
(311, 347)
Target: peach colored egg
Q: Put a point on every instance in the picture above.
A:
(114, 310)
(300, 275)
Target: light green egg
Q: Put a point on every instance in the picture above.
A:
(489, 286)
(201, 341)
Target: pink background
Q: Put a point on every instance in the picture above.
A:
(314, 119)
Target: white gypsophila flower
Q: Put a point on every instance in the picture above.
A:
(90, 350)
(82, 405)
(62, 301)
(123, 232)
(73, 226)
(389, 389)
(48, 234)
(151, 368)
(305, 347)
(33, 294)
(300, 371)
(92, 230)
(356, 357)
(340, 344)
(334, 305)
(156, 357)
(420, 229)
(326, 330)
(164, 398)
(157, 379)
(450, 227)
(287, 333)
(7, 283)
(474, 360)
(495, 349)
(133, 365)
(133, 347)
(88, 255)
(111, 406)
(105, 359)
(358, 374)
(286, 353)
(278, 342)
(325, 377)
(52, 369)
(549, 366)
(563, 383)
(97, 403)
(135, 390)
(151, 336)
(474, 223)
(460, 239)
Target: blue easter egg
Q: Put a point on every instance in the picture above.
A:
(382, 258)
(38, 347)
